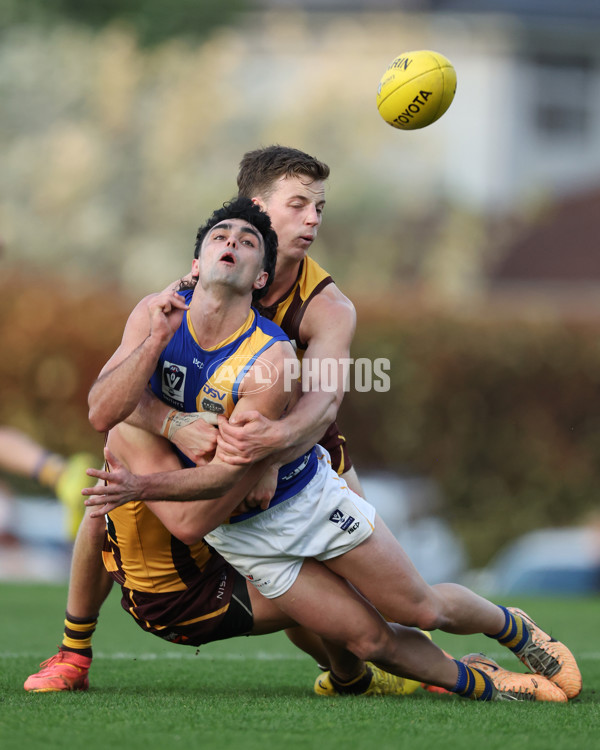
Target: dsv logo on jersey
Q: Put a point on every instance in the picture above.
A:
(227, 374)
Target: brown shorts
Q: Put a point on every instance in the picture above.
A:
(215, 608)
(335, 444)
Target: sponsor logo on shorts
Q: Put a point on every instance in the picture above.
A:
(222, 585)
(344, 521)
(262, 583)
(258, 582)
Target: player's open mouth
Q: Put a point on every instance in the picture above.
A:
(228, 258)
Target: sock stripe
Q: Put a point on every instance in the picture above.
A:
(484, 686)
(508, 633)
(80, 627)
(514, 634)
(78, 634)
(473, 683)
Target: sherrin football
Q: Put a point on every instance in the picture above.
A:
(416, 89)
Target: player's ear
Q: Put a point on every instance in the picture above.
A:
(195, 273)
(261, 280)
(258, 201)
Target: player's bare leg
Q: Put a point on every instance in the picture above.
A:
(327, 605)
(333, 609)
(89, 585)
(343, 671)
(380, 568)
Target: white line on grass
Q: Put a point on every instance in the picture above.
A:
(189, 653)
(175, 655)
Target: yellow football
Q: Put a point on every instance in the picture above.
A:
(416, 89)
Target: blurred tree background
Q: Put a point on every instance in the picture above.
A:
(151, 21)
(122, 127)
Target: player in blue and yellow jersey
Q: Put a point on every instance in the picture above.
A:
(316, 531)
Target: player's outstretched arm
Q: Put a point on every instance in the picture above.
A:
(328, 326)
(122, 486)
(123, 379)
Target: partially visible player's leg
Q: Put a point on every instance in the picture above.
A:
(310, 643)
(345, 673)
(381, 569)
(269, 618)
(384, 573)
(327, 605)
(89, 585)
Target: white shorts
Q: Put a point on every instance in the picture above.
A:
(323, 521)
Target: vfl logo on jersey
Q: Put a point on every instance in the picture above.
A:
(173, 381)
(343, 521)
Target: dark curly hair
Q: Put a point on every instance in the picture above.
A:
(244, 209)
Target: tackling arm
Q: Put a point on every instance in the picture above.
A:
(123, 379)
(328, 326)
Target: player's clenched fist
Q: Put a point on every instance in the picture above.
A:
(166, 312)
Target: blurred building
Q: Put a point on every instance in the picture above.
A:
(553, 263)
(525, 123)
(116, 151)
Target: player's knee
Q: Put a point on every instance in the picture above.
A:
(429, 615)
(370, 644)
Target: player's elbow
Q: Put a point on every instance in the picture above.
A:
(191, 531)
(188, 536)
(99, 420)
(331, 407)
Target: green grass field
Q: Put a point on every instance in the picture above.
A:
(252, 693)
